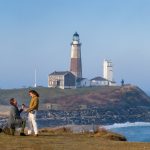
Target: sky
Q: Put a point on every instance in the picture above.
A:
(36, 34)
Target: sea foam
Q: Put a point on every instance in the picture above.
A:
(127, 124)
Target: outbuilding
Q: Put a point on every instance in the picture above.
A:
(62, 79)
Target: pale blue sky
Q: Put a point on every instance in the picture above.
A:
(37, 34)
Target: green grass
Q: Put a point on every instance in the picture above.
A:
(45, 93)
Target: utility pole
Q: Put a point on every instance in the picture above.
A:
(35, 85)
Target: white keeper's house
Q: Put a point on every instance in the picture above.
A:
(99, 81)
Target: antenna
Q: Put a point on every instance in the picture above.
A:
(35, 79)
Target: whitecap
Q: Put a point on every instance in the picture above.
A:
(127, 124)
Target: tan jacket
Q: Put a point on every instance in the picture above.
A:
(34, 104)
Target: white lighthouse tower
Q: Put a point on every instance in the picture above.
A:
(76, 62)
(108, 70)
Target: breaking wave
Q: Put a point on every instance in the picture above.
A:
(127, 124)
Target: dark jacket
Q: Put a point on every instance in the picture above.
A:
(14, 116)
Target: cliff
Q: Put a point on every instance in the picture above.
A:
(125, 96)
(107, 105)
(104, 105)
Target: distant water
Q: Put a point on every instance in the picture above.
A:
(134, 132)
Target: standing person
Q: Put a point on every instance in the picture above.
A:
(15, 119)
(32, 110)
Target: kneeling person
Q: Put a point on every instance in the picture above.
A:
(15, 119)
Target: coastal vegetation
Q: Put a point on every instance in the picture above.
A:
(116, 103)
(105, 104)
(63, 139)
(102, 95)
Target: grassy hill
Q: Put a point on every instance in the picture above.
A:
(105, 105)
(126, 95)
(48, 94)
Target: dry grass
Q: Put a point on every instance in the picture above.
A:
(63, 139)
(56, 131)
(103, 133)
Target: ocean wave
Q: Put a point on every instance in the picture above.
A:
(127, 124)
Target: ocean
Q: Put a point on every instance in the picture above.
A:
(134, 132)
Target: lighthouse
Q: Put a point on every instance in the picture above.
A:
(76, 62)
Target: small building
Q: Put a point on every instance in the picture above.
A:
(82, 82)
(52, 106)
(99, 81)
(62, 79)
(112, 83)
(82, 107)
